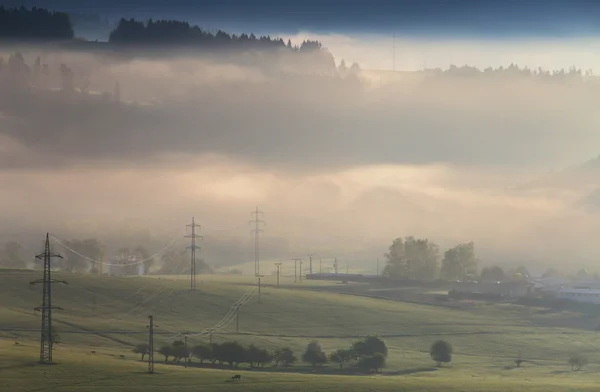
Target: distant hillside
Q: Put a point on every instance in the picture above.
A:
(583, 181)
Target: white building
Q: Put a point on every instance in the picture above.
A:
(579, 294)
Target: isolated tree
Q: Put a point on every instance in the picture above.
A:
(577, 362)
(460, 263)
(167, 351)
(371, 363)
(492, 274)
(202, 352)
(314, 354)
(143, 349)
(441, 352)
(341, 356)
(519, 360)
(11, 257)
(412, 258)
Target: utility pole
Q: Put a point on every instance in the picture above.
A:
(185, 347)
(150, 327)
(193, 248)
(46, 336)
(300, 272)
(257, 230)
(278, 272)
(237, 319)
(296, 269)
(259, 276)
(102, 260)
(335, 265)
(310, 264)
(210, 335)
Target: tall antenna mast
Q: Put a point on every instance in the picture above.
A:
(394, 51)
(193, 248)
(257, 230)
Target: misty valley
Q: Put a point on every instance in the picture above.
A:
(194, 208)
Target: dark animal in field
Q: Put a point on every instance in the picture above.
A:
(236, 377)
(121, 356)
(93, 352)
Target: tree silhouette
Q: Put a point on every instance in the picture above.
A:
(35, 23)
(180, 33)
(142, 349)
(314, 354)
(460, 262)
(441, 352)
(412, 258)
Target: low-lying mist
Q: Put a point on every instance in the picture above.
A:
(340, 164)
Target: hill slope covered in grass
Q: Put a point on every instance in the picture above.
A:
(108, 315)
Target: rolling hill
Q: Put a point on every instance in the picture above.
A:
(108, 315)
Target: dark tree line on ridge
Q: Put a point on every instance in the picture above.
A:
(34, 23)
(513, 70)
(175, 32)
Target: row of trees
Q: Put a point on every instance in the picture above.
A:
(512, 70)
(419, 259)
(135, 260)
(34, 23)
(17, 75)
(368, 355)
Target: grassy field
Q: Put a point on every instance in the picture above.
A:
(108, 315)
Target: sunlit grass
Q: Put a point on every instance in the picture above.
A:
(487, 338)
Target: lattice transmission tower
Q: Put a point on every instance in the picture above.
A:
(46, 332)
(193, 248)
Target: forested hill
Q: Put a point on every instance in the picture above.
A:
(34, 24)
(45, 25)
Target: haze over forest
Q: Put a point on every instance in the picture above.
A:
(342, 160)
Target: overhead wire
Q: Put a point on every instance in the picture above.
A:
(224, 322)
(53, 237)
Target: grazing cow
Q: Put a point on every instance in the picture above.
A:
(236, 377)
(122, 356)
(93, 352)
